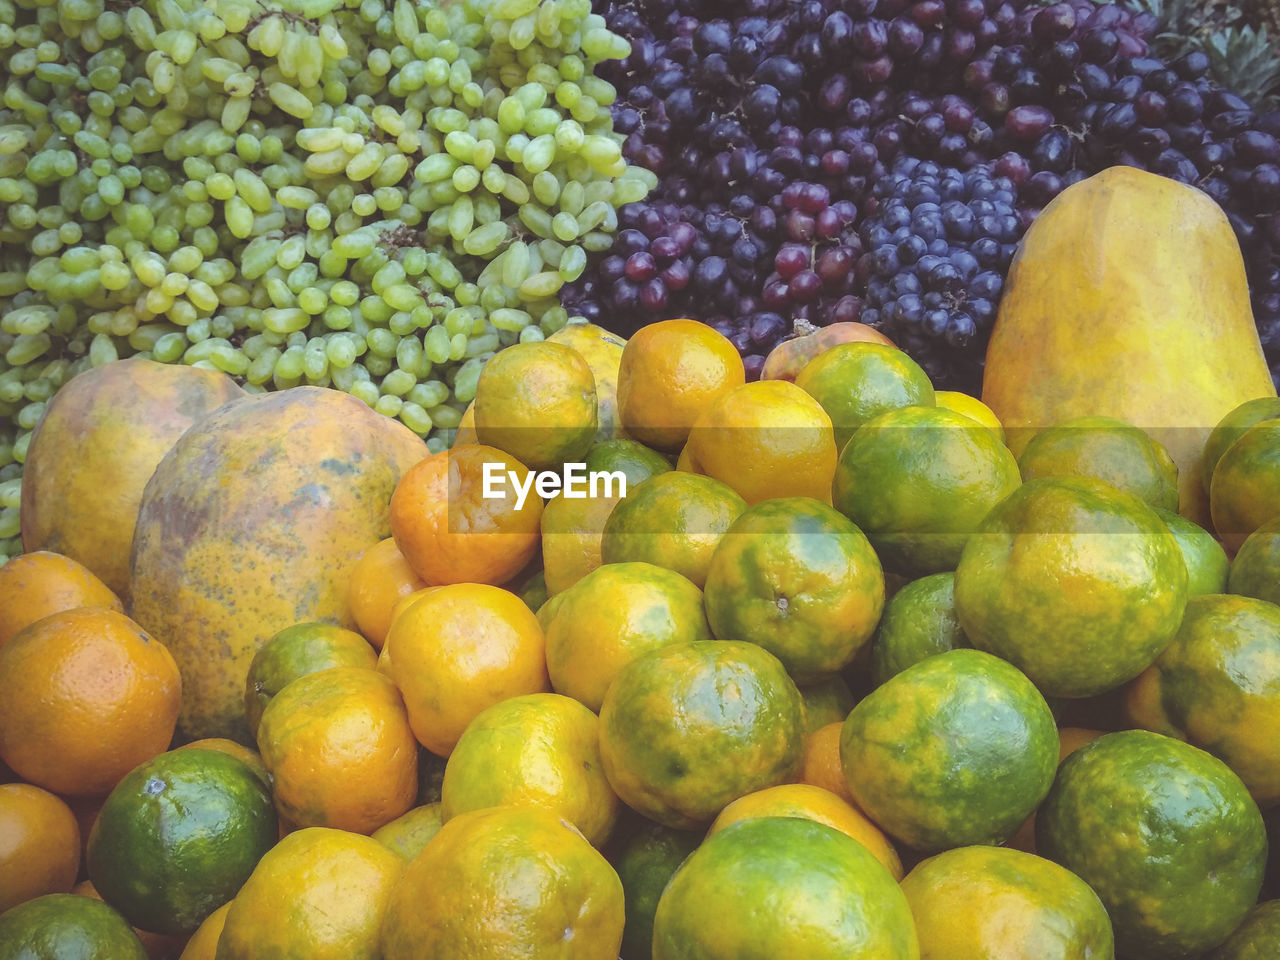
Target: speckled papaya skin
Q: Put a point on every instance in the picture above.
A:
(1127, 298)
(251, 523)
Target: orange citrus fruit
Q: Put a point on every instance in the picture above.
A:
(671, 371)
(537, 402)
(340, 750)
(506, 882)
(827, 896)
(319, 893)
(1255, 571)
(451, 532)
(1218, 686)
(1245, 490)
(602, 349)
(971, 407)
(645, 861)
(408, 833)
(296, 651)
(85, 696)
(797, 577)
(918, 481)
(919, 621)
(203, 944)
(39, 844)
(819, 805)
(1207, 563)
(232, 748)
(1257, 938)
(1165, 834)
(178, 836)
(60, 925)
(992, 902)
(459, 649)
(159, 946)
(34, 585)
(540, 748)
(379, 579)
(766, 439)
(610, 617)
(1078, 584)
(855, 382)
(955, 750)
(822, 767)
(674, 520)
(1231, 428)
(828, 700)
(1111, 450)
(689, 727)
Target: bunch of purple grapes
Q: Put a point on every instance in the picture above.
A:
(795, 142)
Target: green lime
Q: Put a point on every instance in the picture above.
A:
(919, 621)
(296, 651)
(1207, 563)
(958, 749)
(1255, 572)
(66, 926)
(177, 836)
(918, 481)
(798, 578)
(855, 382)
(1165, 834)
(782, 887)
(1108, 449)
(1076, 583)
(645, 863)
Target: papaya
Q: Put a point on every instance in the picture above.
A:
(252, 522)
(94, 449)
(789, 357)
(1127, 298)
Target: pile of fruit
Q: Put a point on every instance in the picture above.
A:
(659, 661)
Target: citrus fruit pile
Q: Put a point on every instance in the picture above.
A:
(654, 661)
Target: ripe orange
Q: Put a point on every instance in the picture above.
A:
(407, 834)
(459, 649)
(985, 901)
(340, 750)
(537, 402)
(822, 767)
(671, 372)
(319, 893)
(506, 882)
(203, 944)
(1244, 493)
(39, 844)
(296, 651)
(602, 350)
(812, 803)
(379, 579)
(766, 439)
(233, 748)
(85, 696)
(34, 585)
(450, 532)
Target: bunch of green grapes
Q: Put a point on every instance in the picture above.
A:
(369, 195)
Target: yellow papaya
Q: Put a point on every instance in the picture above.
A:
(1127, 298)
(252, 522)
(94, 450)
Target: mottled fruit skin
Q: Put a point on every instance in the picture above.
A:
(94, 450)
(67, 926)
(955, 750)
(689, 727)
(1178, 349)
(1165, 834)
(1218, 686)
(1257, 938)
(788, 358)
(995, 903)
(1255, 571)
(783, 887)
(1073, 581)
(252, 523)
(797, 577)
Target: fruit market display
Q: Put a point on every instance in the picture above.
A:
(501, 479)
